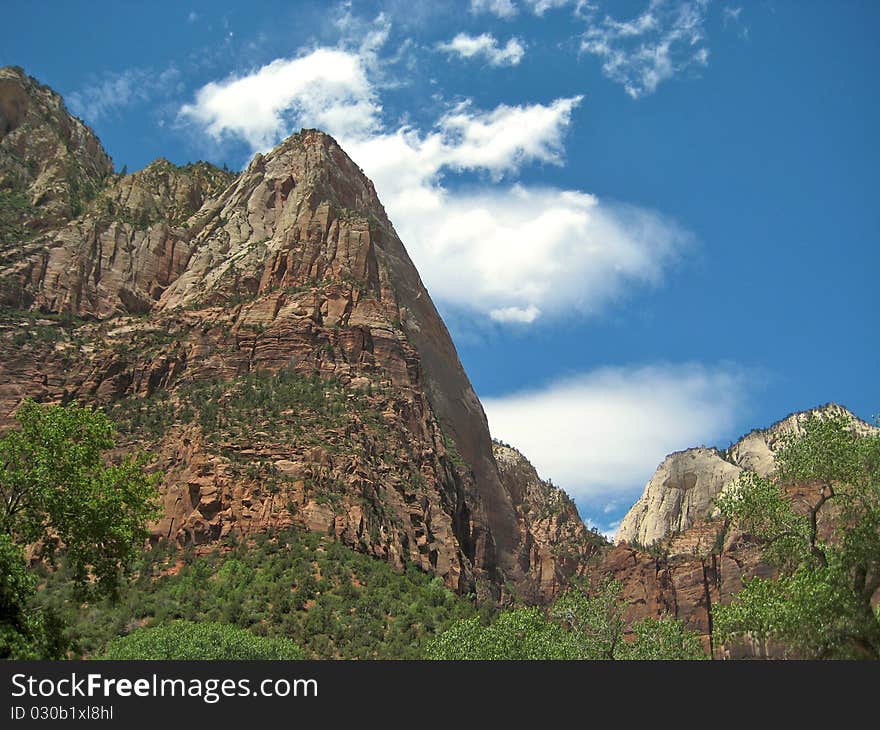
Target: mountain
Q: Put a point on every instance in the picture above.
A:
(266, 336)
(674, 556)
(681, 491)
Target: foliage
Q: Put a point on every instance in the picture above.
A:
(520, 633)
(583, 623)
(56, 490)
(24, 633)
(663, 638)
(328, 599)
(15, 208)
(291, 403)
(189, 640)
(595, 617)
(820, 605)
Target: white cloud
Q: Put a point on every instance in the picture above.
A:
(539, 7)
(731, 16)
(506, 252)
(505, 9)
(524, 315)
(327, 87)
(486, 45)
(512, 252)
(664, 40)
(600, 435)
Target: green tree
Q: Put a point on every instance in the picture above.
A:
(827, 551)
(24, 632)
(585, 622)
(520, 633)
(661, 638)
(595, 617)
(189, 640)
(56, 491)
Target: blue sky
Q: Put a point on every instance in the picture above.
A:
(649, 224)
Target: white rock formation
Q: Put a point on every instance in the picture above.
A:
(683, 488)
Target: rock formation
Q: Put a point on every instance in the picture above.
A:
(268, 339)
(683, 488)
(554, 544)
(675, 556)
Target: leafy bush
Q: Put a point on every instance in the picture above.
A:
(189, 640)
(585, 622)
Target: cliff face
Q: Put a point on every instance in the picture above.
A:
(51, 164)
(267, 336)
(682, 490)
(554, 544)
(674, 556)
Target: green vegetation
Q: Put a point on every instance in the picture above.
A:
(583, 623)
(15, 209)
(24, 633)
(820, 605)
(454, 455)
(300, 586)
(57, 491)
(519, 633)
(188, 640)
(291, 403)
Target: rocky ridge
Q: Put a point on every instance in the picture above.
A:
(674, 556)
(682, 490)
(268, 339)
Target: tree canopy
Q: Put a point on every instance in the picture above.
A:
(197, 641)
(56, 491)
(585, 622)
(827, 551)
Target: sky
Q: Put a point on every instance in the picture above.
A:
(648, 224)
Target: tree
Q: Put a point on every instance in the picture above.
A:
(827, 550)
(520, 633)
(56, 491)
(595, 617)
(190, 640)
(661, 638)
(583, 623)
(24, 634)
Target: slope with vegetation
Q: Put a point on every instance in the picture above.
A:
(178, 297)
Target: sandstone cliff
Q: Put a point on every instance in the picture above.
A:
(554, 544)
(268, 338)
(682, 490)
(675, 557)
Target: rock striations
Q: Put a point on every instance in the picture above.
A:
(267, 337)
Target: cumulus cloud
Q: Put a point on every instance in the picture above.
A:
(601, 434)
(502, 251)
(640, 54)
(328, 87)
(485, 45)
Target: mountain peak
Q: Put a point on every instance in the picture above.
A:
(682, 490)
(51, 163)
(282, 301)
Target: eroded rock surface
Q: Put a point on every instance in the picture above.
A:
(267, 337)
